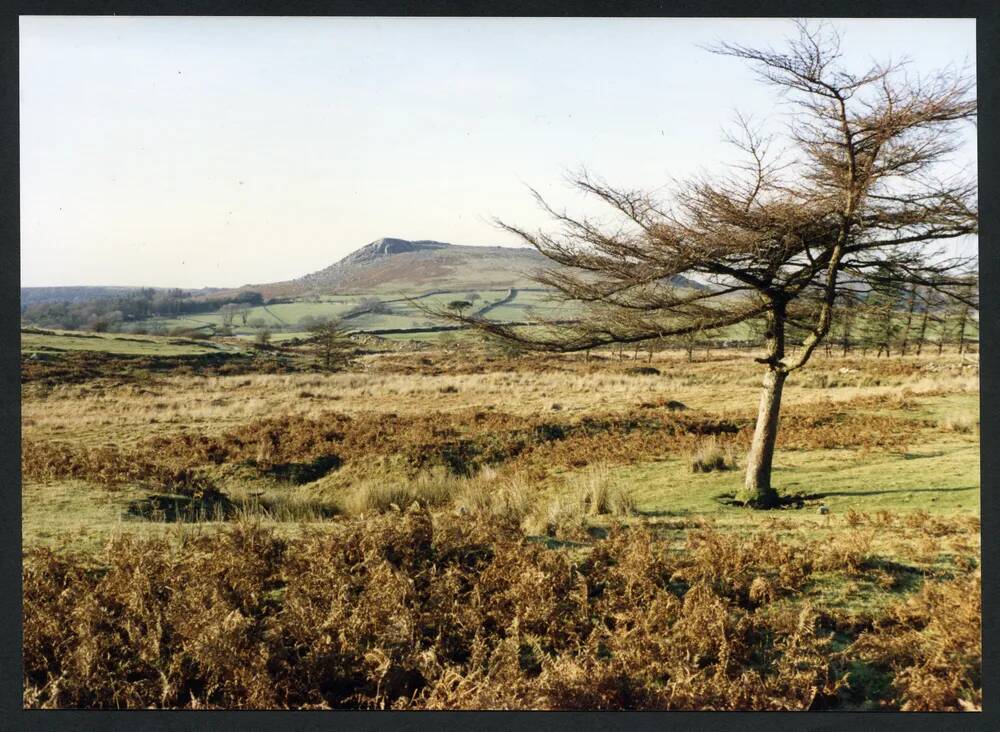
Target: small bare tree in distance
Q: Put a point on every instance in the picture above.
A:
(331, 344)
(852, 201)
(228, 313)
(263, 339)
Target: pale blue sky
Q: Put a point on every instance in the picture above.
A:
(222, 151)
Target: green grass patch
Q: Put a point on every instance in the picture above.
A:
(940, 477)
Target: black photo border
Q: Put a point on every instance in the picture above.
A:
(14, 717)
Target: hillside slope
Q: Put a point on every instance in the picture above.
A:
(400, 266)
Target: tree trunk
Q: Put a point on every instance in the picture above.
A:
(757, 487)
(961, 330)
(923, 330)
(757, 490)
(887, 336)
(846, 331)
(911, 304)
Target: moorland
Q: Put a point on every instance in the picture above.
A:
(446, 524)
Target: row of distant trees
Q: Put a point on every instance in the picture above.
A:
(890, 322)
(905, 320)
(117, 313)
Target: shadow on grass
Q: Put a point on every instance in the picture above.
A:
(663, 513)
(922, 455)
(907, 578)
(167, 508)
(300, 473)
(550, 542)
(867, 685)
(791, 500)
(889, 491)
(801, 500)
(176, 508)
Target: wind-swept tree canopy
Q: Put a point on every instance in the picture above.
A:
(851, 197)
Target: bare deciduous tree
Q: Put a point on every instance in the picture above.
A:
(228, 313)
(263, 339)
(930, 300)
(851, 202)
(911, 304)
(845, 314)
(962, 316)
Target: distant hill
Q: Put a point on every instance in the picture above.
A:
(399, 265)
(384, 266)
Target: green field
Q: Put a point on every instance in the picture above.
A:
(402, 314)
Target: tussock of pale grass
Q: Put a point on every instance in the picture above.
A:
(435, 487)
(960, 423)
(596, 492)
(511, 497)
(561, 516)
(294, 508)
(602, 494)
(711, 455)
(486, 493)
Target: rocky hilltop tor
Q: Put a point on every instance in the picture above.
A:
(387, 247)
